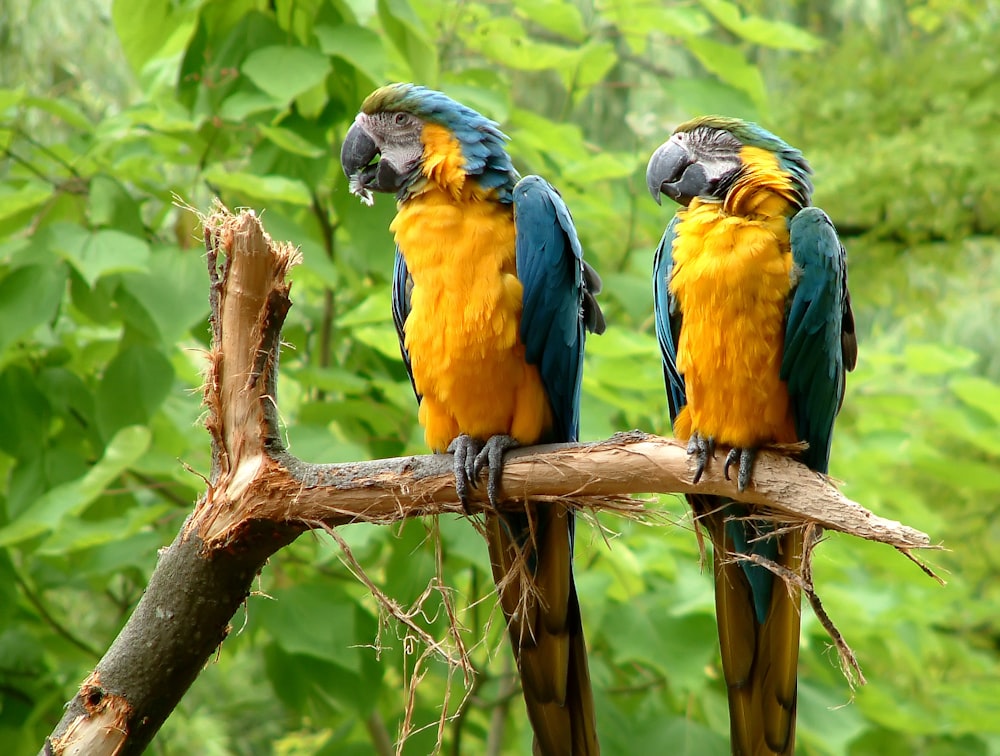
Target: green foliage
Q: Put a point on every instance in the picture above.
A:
(103, 326)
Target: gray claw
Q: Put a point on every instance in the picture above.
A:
(701, 448)
(491, 454)
(466, 450)
(745, 457)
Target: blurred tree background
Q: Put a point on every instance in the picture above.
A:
(108, 110)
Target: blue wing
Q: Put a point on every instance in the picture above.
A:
(820, 343)
(668, 319)
(558, 303)
(402, 285)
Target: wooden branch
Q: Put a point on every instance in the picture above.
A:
(595, 475)
(260, 498)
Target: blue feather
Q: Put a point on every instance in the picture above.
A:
(557, 303)
(814, 359)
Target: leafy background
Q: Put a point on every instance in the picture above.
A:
(108, 110)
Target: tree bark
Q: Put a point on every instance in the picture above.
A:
(260, 498)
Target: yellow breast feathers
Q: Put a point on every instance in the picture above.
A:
(731, 279)
(462, 333)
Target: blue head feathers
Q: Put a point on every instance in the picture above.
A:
(481, 140)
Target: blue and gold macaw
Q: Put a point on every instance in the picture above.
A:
(756, 330)
(491, 300)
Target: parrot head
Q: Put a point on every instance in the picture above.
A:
(706, 156)
(405, 131)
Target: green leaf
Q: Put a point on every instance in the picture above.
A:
(111, 205)
(383, 340)
(595, 60)
(78, 534)
(504, 41)
(134, 385)
(25, 198)
(146, 27)
(730, 64)
(485, 90)
(241, 104)
(25, 412)
(636, 20)
(72, 498)
(291, 142)
(980, 393)
(263, 188)
(10, 97)
(314, 620)
(369, 245)
(678, 646)
(329, 379)
(29, 296)
(99, 253)
(937, 359)
(688, 738)
(700, 95)
(64, 109)
(361, 47)
(558, 16)
(604, 166)
(312, 443)
(762, 31)
(173, 292)
(404, 28)
(814, 712)
(285, 72)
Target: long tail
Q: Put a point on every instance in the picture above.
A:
(531, 554)
(758, 619)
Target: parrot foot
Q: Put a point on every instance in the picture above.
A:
(745, 458)
(492, 455)
(466, 450)
(701, 448)
(471, 456)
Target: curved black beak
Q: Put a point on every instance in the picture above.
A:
(674, 171)
(358, 150)
(357, 158)
(365, 174)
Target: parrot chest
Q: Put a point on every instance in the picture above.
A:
(462, 332)
(731, 280)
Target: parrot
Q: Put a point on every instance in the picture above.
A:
(756, 331)
(492, 301)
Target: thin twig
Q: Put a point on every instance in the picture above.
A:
(51, 621)
(848, 661)
(498, 717)
(908, 553)
(379, 733)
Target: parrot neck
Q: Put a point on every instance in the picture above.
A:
(762, 188)
(443, 169)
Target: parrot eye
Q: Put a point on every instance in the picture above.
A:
(401, 119)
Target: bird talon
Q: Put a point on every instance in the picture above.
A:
(491, 455)
(731, 459)
(701, 449)
(744, 457)
(466, 450)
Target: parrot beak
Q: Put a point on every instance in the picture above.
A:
(359, 149)
(357, 158)
(674, 171)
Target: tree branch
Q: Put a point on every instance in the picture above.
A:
(260, 498)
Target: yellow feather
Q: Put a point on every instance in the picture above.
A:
(463, 330)
(731, 278)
